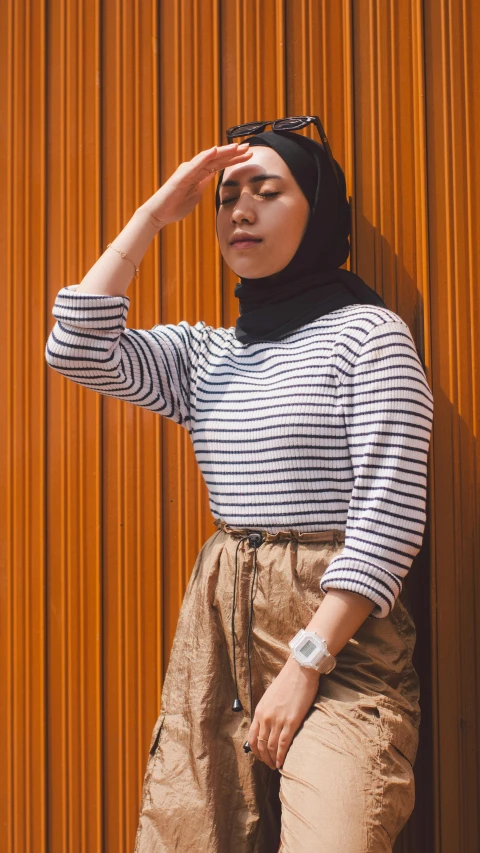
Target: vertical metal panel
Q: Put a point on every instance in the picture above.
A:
(103, 507)
(452, 65)
(23, 710)
(390, 163)
(319, 73)
(74, 770)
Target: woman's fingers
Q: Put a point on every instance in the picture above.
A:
(257, 742)
(221, 150)
(271, 747)
(266, 750)
(220, 157)
(283, 744)
(203, 183)
(263, 741)
(240, 158)
(213, 167)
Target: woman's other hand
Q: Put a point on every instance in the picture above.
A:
(281, 711)
(177, 197)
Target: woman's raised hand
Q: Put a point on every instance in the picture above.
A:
(177, 197)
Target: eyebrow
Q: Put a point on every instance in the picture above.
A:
(255, 180)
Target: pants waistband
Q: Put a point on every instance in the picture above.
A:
(336, 536)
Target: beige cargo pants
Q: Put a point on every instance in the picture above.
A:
(347, 783)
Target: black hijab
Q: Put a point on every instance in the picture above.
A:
(311, 284)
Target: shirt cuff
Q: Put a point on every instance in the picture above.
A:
(99, 311)
(374, 582)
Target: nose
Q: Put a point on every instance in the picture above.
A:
(243, 210)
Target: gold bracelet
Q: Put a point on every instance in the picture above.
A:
(124, 255)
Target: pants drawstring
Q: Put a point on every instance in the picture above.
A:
(237, 705)
(254, 540)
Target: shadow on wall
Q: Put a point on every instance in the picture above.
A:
(376, 261)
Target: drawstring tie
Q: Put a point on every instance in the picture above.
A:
(254, 540)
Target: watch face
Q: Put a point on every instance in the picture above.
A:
(307, 648)
(310, 651)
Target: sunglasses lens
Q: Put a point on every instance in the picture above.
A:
(291, 123)
(245, 129)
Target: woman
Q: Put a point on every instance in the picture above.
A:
(311, 422)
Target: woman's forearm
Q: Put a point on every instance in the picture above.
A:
(172, 202)
(339, 617)
(289, 698)
(112, 274)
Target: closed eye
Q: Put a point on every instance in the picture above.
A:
(263, 195)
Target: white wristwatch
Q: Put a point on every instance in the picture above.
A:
(310, 650)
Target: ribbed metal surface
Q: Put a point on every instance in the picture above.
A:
(23, 429)
(453, 120)
(73, 445)
(103, 510)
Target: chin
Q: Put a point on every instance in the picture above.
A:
(250, 271)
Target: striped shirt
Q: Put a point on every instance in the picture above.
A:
(327, 428)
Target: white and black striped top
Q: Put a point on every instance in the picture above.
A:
(327, 428)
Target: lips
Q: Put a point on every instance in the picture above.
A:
(245, 238)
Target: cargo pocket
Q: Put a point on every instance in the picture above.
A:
(368, 712)
(400, 733)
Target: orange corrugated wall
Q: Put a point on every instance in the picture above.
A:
(102, 508)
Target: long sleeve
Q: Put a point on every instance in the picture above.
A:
(153, 368)
(388, 412)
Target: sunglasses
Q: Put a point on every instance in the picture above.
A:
(291, 123)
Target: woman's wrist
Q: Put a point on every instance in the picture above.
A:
(153, 218)
(292, 665)
(111, 274)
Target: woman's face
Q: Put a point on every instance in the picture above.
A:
(266, 203)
